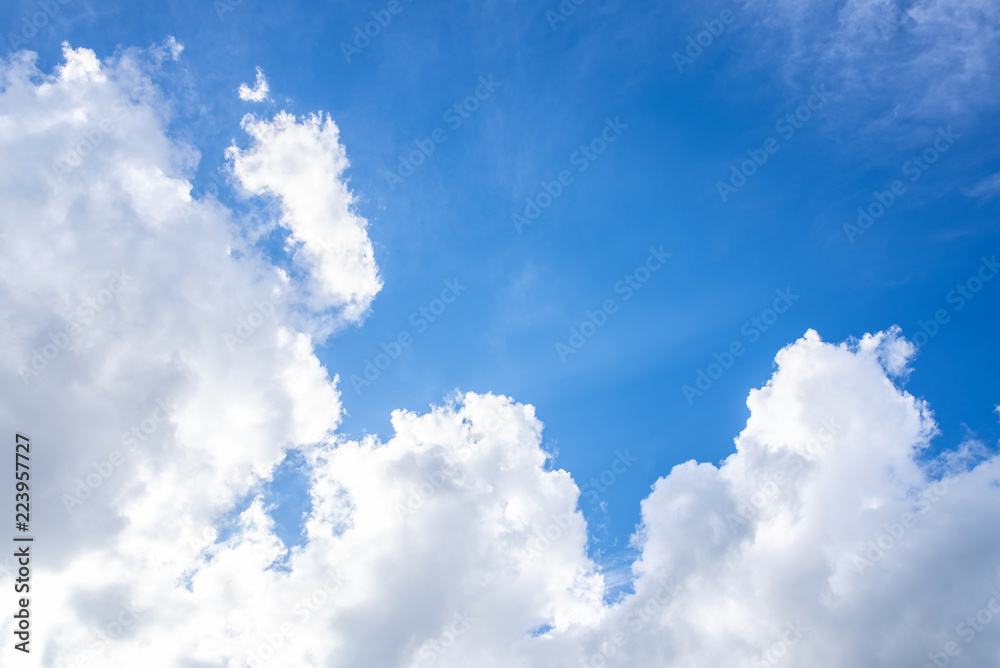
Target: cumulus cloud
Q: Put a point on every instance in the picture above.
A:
(125, 295)
(165, 369)
(259, 91)
(302, 163)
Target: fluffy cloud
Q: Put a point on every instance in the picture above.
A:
(148, 347)
(824, 520)
(302, 163)
(164, 368)
(259, 91)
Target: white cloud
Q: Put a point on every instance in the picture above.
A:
(302, 162)
(931, 59)
(88, 358)
(987, 188)
(452, 543)
(259, 92)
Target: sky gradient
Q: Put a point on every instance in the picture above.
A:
(615, 214)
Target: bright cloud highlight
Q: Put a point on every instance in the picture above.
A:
(182, 363)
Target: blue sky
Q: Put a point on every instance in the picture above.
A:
(655, 185)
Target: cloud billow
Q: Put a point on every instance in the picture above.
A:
(822, 540)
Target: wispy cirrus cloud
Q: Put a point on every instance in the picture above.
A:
(987, 188)
(920, 60)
